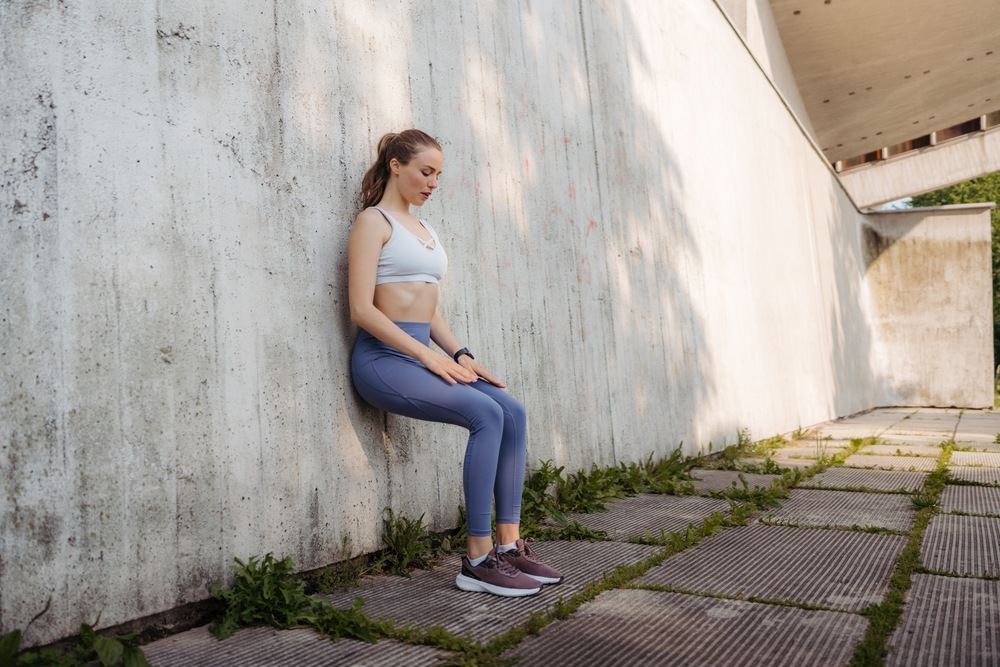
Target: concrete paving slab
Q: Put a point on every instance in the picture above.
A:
(886, 416)
(429, 597)
(840, 569)
(808, 452)
(979, 431)
(933, 440)
(981, 422)
(964, 545)
(639, 627)
(634, 517)
(986, 459)
(977, 475)
(971, 500)
(977, 445)
(927, 416)
(267, 646)
(718, 480)
(907, 463)
(948, 621)
(940, 411)
(986, 441)
(901, 450)
(782, 462)
(859, 479)
(850, 431)
(981, 427)
(809, 507)
(916, 431)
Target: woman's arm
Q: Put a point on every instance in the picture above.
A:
(445, 339)
(364, 246)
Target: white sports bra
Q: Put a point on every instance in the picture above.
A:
(405, 257)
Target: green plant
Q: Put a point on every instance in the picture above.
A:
(265, 592)
(408, 545)
(572, 531)
(760, 497)
(108, 651)
(765, 467)
(589, 492)
(537, 503)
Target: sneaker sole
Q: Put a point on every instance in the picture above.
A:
(543, 580)
(475, 586)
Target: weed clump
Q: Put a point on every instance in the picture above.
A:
(90, 649)
(548, 494)
(266, 592)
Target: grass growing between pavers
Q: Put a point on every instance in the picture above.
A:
(853, 528)
(884, 617)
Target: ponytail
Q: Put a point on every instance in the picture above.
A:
(403, 147)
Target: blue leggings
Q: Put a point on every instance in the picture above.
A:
(494, 456)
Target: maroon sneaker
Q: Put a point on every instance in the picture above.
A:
(524, 559)
(495, 575)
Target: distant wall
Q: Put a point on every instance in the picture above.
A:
(929, 273)
(643, 244)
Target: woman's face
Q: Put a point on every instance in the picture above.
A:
(418, 179)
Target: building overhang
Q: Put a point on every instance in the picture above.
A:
(874, 75)
(924, 169)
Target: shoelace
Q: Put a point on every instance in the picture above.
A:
(526, 553)
(502, 565)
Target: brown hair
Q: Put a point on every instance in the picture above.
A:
(403, 147)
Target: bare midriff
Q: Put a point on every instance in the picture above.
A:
(407, 302)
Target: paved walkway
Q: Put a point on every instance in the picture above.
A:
(800, 584)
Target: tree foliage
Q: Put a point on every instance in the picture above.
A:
(982, 189)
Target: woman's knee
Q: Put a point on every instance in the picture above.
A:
(488, 415)
(517, 412)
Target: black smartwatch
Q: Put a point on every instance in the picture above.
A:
(464, 350)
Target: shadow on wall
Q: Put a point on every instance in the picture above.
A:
(570, 223)
(571, 251)
(855, 378)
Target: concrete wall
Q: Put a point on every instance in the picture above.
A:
(930, 276)
(644, 245)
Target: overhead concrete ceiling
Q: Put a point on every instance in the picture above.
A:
(875, 73)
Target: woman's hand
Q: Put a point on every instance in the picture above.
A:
(446, 367)
(474, 366)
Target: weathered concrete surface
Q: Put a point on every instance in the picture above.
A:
(931, 339)
(836, 569)
(962, 545)
(177, 186)
(911, 463)
(948, 621)
(650, 515)
(867, 480)
(617, 629)
(847, 509)
(720, 480)
(294, 648)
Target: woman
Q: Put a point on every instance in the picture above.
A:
(394, 264)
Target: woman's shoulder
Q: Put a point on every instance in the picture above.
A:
(371, 221)
(372, 215)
